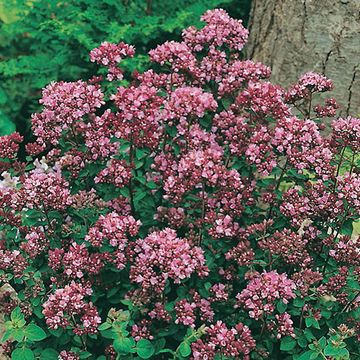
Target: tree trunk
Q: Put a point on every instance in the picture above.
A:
(296, 36)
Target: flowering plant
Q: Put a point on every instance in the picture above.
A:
(197, 212)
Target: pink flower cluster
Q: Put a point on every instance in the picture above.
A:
(114, 229)
(263, 291)
(305, 279)
(68, 355)
(9, 145)
(141, 330)
(328, 110)
(238, 73)
(188, 101)
(117, 172)
(263, 99)
(232, 131)
(349, 191)
(13, 261)
(45, 191)
(138, 117)
(347, 250)
(65, 103)
(220, 29)
(76, 261)
(319, 201)
(291, 247)
(188, 311)
(284, 325)
(236, 342)
(335, 287)
(98, 133)
(242, 253)
(36, 242)
(309, 83)
(67, 304)
(162, 256)
(300, 141)
(110, 55)
(177, 54)
(260, 152)
(346, 132)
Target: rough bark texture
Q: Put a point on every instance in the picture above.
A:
(296, 36)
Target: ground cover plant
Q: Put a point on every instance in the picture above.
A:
(197, 212)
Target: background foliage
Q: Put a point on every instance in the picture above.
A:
(49, 40)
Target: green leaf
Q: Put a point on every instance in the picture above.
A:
(18, 334)
(85, 355)
(298, 302)
(145, 349)
(287, 343)
(331, 350)
(311, 322)
(139, 195)
(322, 342)
(108, 334)
(307, 355)
(347, 228)
(184, 349)
(123, 345)
(35, 333)
(57, 333)
(140, 153)
(309, 335)
(326, 313)
(7, 335)
(49, 354)
(302, 341)
(314, 356)
(281, 307)
(104, 326)
(16, 315)
(22, 354)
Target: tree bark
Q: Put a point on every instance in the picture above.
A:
(296, 36)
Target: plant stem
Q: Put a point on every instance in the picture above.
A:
(83, 342)
(352, 163)
(310, 102)
(301, 317)
(339, 165)
(337, 234)
(202, 212)
(350, 302)
(131, 191)
(277, 187)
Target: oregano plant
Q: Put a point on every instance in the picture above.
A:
(196, 212)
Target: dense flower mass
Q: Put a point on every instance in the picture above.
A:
(65, 103)
(193, 211)
(263, 290)
(235, 342)
(64, 304)
(9, 145)
(161, 256)
(188, 101)
(46, 191)
(220, 29)
(347, 132)
(309, 83)
(110, 55)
